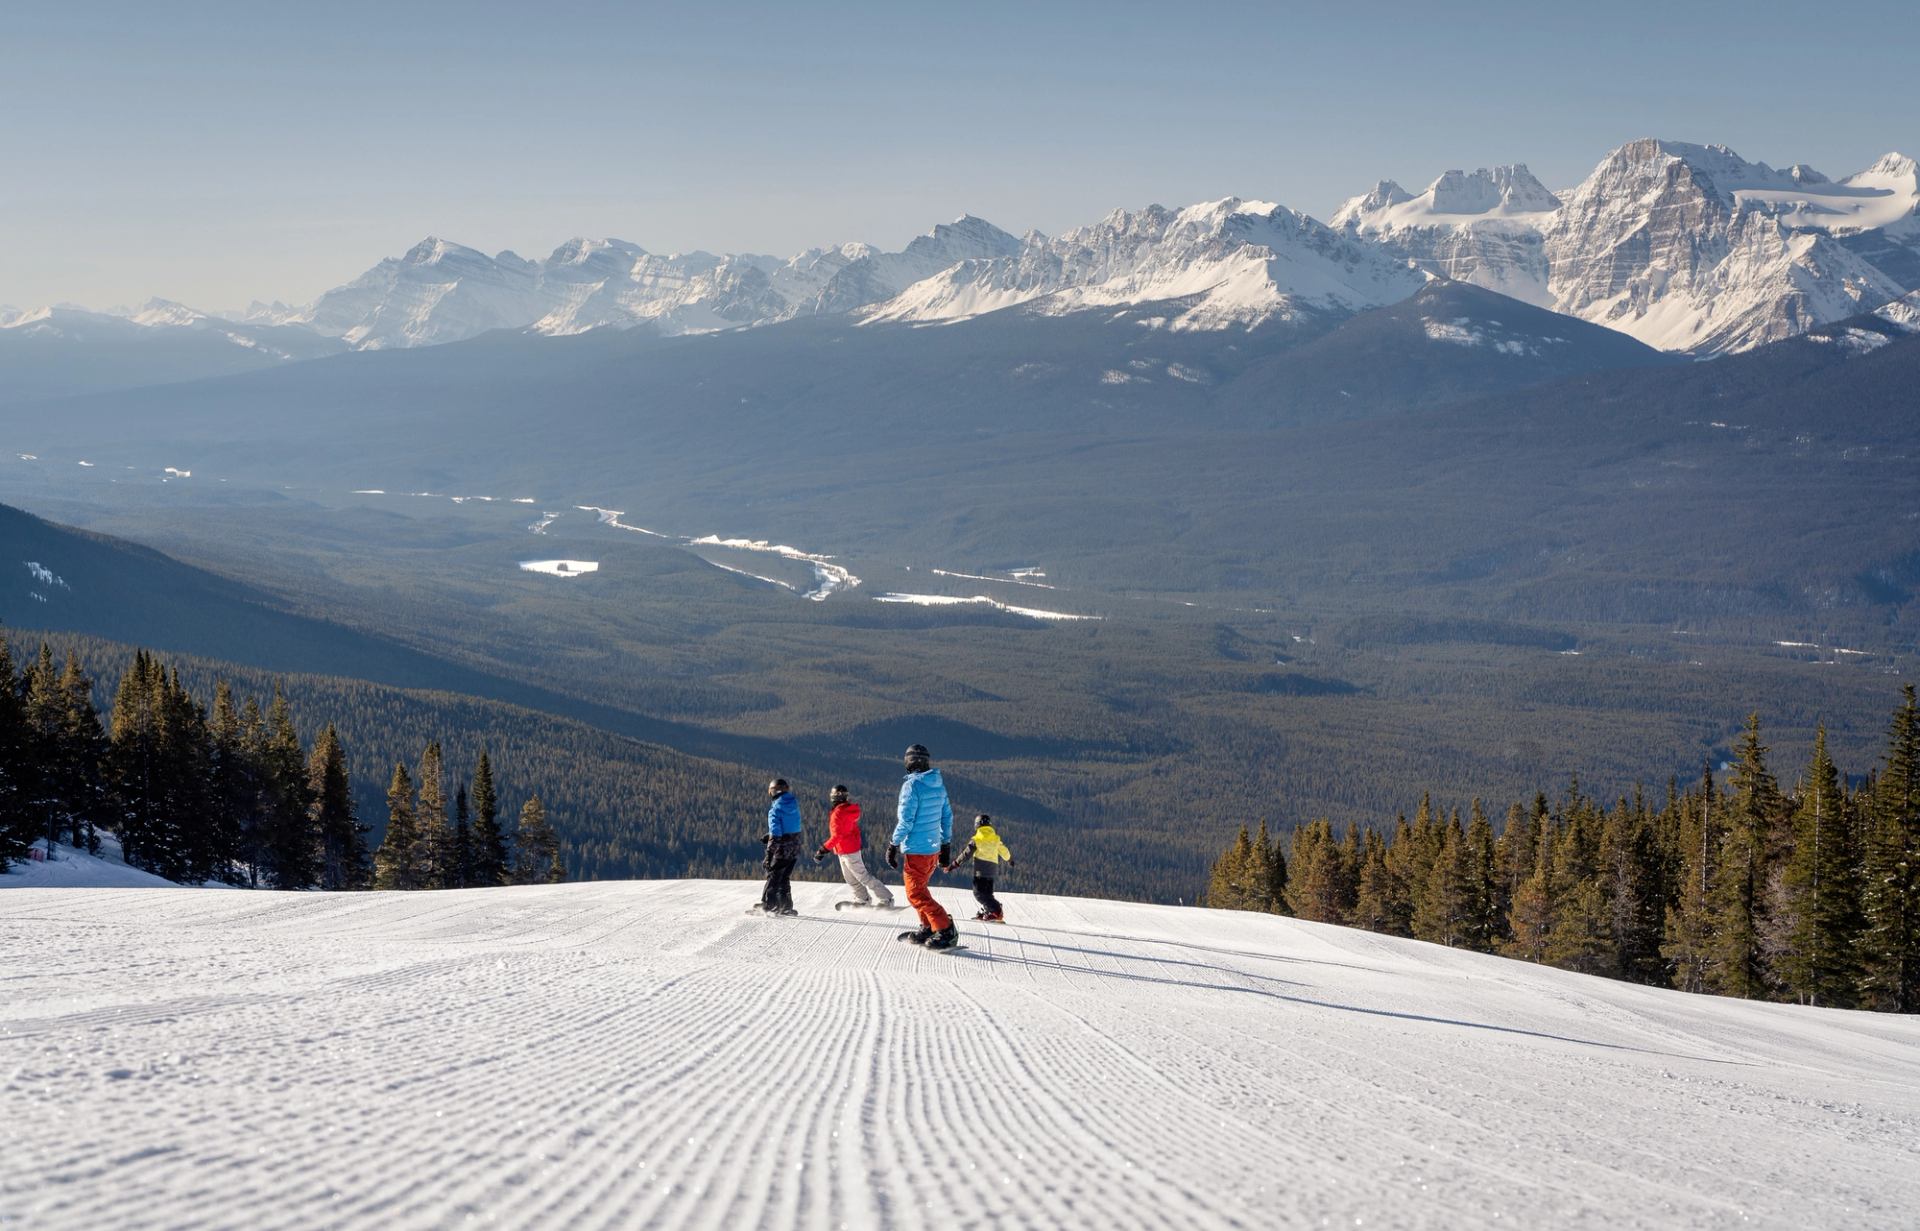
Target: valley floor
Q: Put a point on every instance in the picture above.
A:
(629, 1054)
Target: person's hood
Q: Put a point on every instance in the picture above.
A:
(932, 775)
(986, 831)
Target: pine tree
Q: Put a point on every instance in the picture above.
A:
(1820, 964)
(1228, 885)
(1273, 890)
(1892, 944)
(489, 844)
(1688, 948)
(1440, 910)
(461, 872)
(1530, 921)
(1485, 913)
(430, 813)
(397, 864)
(232, 790)
(1379, 900)
(293, 847)
(1579, 939)
(1738, 905)
(537, 848)
(1320, 884)
(18, 826)
(343, 843)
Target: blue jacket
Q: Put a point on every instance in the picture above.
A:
(783, 816)
(926, 817)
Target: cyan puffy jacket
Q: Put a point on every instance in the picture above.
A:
(926, 818)
(783, 816)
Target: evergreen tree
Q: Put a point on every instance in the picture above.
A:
(489, 844)
(1380, 903)
(1320, 884)
(1227, 884)
(1530, 921)
(397, 864)
(18, 826)
(232, 791)
(1738, 904)
(1633, 880)
(1689, 948)
(343, 843)
(1274, 891)
(1579, 938)
(1440, 911)
(537, 848)
(430, 814)
(461, 871)
(1892, 944)
(1820, 964)
(292, 845)
(1485, 912)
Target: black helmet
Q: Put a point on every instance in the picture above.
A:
(777, 787)
(838, 795)
(918, 758)
(982, 819)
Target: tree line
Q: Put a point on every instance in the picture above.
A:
(1743, 888)
(226, 791)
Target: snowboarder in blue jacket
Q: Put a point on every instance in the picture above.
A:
(783, 849)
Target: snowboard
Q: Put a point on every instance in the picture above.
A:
(850, 904)
(768, 914)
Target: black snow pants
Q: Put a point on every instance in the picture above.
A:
(782, 853)
(983, 894)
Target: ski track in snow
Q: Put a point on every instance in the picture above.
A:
(642, 1054)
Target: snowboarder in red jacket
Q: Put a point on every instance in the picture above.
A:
(843, 839)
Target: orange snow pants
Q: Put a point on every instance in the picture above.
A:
(919, 868)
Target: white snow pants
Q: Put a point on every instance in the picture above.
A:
(853, 869)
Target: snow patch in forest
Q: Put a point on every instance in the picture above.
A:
(980, 600)
(1016, 578)
(370, 491)
(44, 575)
(88, 465)
(828, 577)
(546, 519)
(560, 568)
(611, 517)
(177, 473)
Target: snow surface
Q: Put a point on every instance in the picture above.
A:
(978, 600)
(629, 1054)
(560, 568)
(72, 868)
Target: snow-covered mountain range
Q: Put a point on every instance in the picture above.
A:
(1685, 247)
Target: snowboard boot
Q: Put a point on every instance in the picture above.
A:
(786, 911)
(920, 937)
(945, 938)
(991, 916)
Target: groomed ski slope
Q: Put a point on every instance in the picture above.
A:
(643, 1054)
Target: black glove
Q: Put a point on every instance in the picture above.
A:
(946, 855)
(765, 838)
(893, 855)
(820, 856)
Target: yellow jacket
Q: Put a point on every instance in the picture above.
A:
(987, 850)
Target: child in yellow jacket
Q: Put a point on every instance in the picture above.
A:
(988, 852)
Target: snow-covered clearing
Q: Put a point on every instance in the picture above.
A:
(828, 577)
(1017, 577)
(978, 600)
(560, 568)
(630, 1054)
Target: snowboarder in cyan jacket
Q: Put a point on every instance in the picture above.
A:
(783, 849)
(923, 840)
(843, 839)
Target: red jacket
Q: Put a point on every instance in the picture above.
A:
(844, 836)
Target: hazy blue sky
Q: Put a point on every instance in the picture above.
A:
(214, 152)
